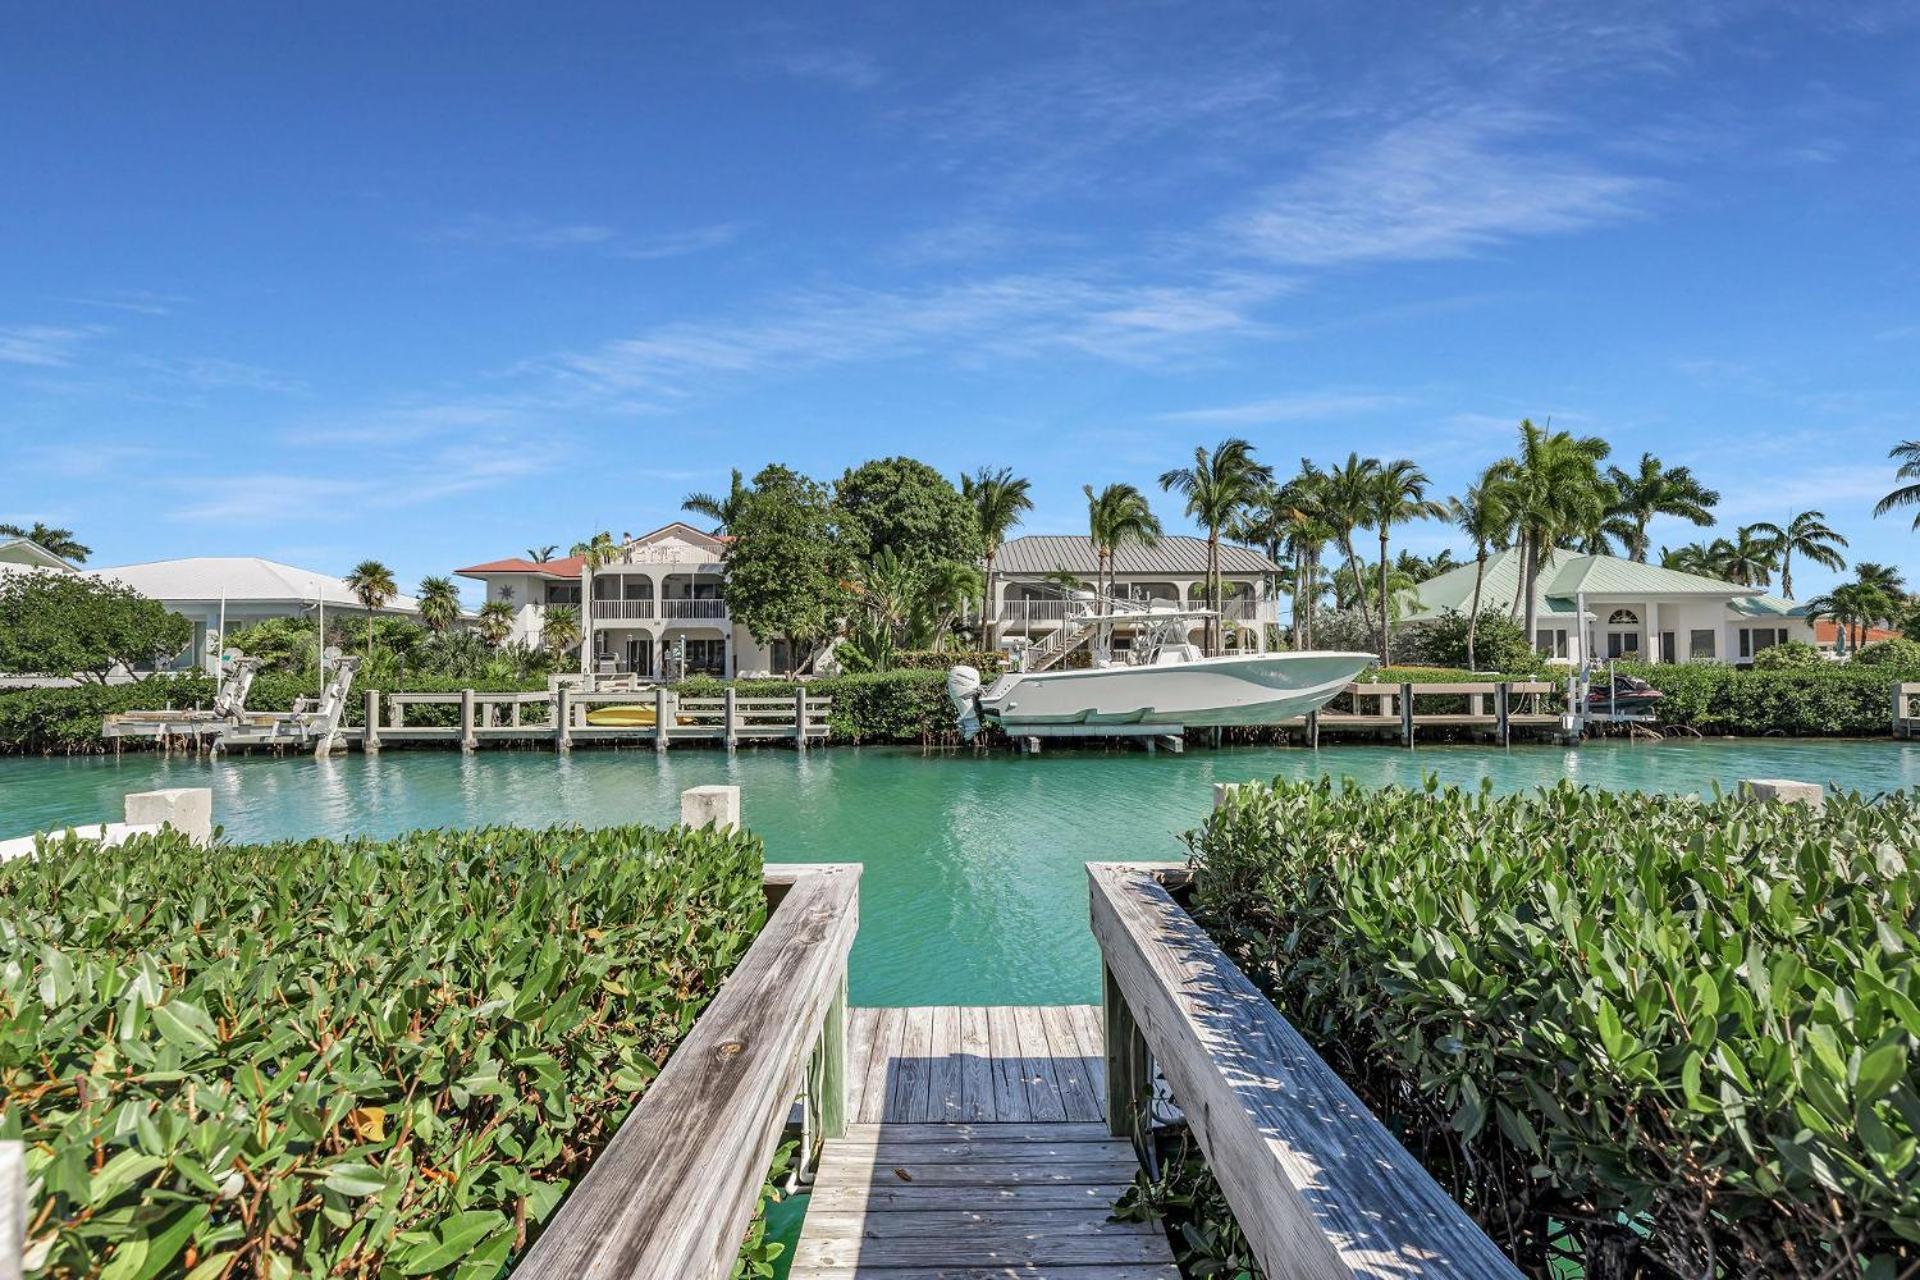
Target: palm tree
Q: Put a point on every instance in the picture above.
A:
(1117, 516)
(48, 538)
(1217, 488)
(439, 603)
(1693, 558)
(722, 511)
(372, 583)
(598, 551)
(1748, 559)
(1482, 515)
(1398, 495)
(1554, 490)
(1808, 534)
(496, 621)
(1345, 498)
(540, 555)
(1907, 495)
(560, 629)
(1654, 490)
(1305, 530)
(998, 498)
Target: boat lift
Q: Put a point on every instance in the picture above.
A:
(313, 722)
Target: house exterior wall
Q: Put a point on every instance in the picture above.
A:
(1717, 626)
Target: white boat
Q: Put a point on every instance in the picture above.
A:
(1172, 684)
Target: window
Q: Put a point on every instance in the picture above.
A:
(1623, 644)
(1623, 618)
(1754, 639)
(1551, 642)
(1666, 646)
(563, 593)
(1700, 644)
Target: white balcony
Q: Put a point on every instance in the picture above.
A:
(709, 610)
(623, 610)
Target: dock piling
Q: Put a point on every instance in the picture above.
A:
(562, 720)
(731, 710)
(800, 718)
(1787, 791)
(1503, 712)
(1406, 714)
(711, 806)
(188, 810)
(467, 741)
(662, 716)
(370, 733)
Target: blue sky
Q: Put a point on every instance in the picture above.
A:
(435, 283)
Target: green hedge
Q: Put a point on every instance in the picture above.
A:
(875, 707)
(355, 1059)
(1833, 700)
(1581, 1009)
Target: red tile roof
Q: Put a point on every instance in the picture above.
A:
(567, 568)
(1825, 632)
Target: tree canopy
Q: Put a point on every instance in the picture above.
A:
(907, 506)
(66, 625)
(787, 569)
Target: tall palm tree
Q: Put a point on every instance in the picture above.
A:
(372, 584)
(1346, 493)
(1694, 557)
(1481, 513)
(1117, 516)
(1907, 495)
(496, 621)
(1749, 558)
(59, 541)
(439, 603)
(1808, 534)
(1554, 491)
(1306, 530)
(998, 498)
(598, 551)
(540, 555)
(1654, 490)
(1398, 495)
(722, 511)
(1217, 487)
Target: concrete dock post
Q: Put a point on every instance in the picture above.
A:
(188, 810)
(562, 720)
(370, 734)
(800, 718)
(731, 729)
(662, 717)
(13, 1207)
(712, 806)
(466, 720)
(1224, 794)
(1787, 791)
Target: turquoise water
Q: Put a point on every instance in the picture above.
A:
(973, 891)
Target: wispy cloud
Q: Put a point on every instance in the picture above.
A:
(1439, 187)
(447, 473)
(42, 345)
(840, 66)
(1302, 406)
(138, 301)
(212, 373)
(528, 235)
(1007, 317)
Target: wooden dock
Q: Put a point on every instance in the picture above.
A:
(977, 1145)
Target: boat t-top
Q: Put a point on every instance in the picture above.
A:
(1162, 679)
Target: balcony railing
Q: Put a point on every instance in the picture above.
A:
(1051, 612)
(623, 610)
(693, 608)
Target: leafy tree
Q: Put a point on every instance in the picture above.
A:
(1492, 641)
(722, 511)
(1398, 495)
(787, 565)
(1483, 517)
(904, 605)
(439, 603)
(1654, 490)
(67, 625)
(1553, 488)
(372, 584)
(999, 499)
(1807, 534)
(909, 507)
(496, 621)
(1218, 487)
(287, 645)
(1898, 652)
(59, 541)
(1792, 655)
(1906, 495)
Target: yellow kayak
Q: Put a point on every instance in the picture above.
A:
(635, 717)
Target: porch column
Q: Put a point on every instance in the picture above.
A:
(726, 652)
(1650, 619)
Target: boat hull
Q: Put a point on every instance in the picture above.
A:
(1252, 690)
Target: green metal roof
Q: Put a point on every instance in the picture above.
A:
(1563, 577)
(1767, 607)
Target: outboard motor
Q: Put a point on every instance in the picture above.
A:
(963, 690)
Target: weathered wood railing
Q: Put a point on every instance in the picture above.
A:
(672, 1194)
(1495, 704)
(1318, 1184)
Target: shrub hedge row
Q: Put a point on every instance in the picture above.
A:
(344, 1059)
(1640, 1030)
(1832, 700)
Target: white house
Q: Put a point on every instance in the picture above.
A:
(1614, 608)
(23, 555)
(655, 610)
(223, 593)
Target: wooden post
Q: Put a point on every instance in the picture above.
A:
(13, 1208)
(397, 708)
(466, 719)
(731, 728)
(1313, 729)
(662, 716)
(370, 735)
(1129, 1075)
(1503, 712)
(1406, 713)
(800, 718)
(562, 720)
(514, 715)
(827, 1071)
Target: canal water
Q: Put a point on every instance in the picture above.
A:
(973, 891)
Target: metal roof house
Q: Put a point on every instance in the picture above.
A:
(1028, 573)
(220, 593)
(1608, 607)
(24, 555)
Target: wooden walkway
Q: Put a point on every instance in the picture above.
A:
(977, 1148)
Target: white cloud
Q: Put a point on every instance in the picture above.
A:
(448, 473)
(1299, 406)
(527, 235)
(842, 67)
(1439, 187)
(41, 345)
(139, 301)
(215, 374)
